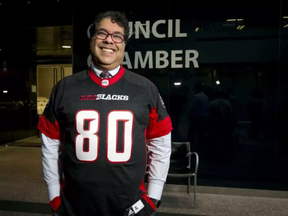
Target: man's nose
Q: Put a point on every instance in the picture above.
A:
(109, 39)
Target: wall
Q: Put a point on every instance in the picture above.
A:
(247, 55)
(19, 43)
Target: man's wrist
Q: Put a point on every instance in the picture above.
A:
(156, 202)
(155, 189)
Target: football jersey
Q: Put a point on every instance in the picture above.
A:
(103, 125)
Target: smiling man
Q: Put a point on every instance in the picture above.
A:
(107, 47)
(96, 130)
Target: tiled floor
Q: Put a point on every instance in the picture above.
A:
(11, 213)
(34, 141)
(23, 193)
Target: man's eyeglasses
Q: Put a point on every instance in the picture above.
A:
(116, 37)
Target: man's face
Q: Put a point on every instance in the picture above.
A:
(107, 53)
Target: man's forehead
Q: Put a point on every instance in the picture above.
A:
(109, 25)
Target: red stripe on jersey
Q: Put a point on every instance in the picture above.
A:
(62, 184)
(149, 201)
(158, 128)
(112, 80)
(50, 130)
(145, 197)
(142, 187)
(55, 203)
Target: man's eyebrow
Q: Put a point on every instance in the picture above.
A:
(102, 29)
(118, 32)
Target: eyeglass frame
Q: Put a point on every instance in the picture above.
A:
(108, 34)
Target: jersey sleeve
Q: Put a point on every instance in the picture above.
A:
(48, 122)
(50, 139)
(160, 122)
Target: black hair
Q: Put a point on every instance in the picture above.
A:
(117, 17)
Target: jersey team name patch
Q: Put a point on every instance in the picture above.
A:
(104, 97)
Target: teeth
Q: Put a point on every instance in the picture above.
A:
(107, 50)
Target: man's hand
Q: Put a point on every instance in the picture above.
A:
(156, 202)
(59, 212)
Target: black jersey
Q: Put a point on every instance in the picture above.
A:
(103, 125)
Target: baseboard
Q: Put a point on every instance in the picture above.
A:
(25, 139)
(227, 191)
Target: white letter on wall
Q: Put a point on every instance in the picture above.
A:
(161, 56)
(140, 27)
(126, 61)
(148, 57)
(154, 29)
(193, 58)
(174, 59)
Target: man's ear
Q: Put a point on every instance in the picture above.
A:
(91, 30)
(92, 40)
(90, 44)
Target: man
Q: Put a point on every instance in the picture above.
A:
(198, 117)
(95, 131)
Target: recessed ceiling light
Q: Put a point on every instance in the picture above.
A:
(66, 46)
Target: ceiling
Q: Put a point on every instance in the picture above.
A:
(37, 31)
(49, 41)
(38, 43)
(46, 25)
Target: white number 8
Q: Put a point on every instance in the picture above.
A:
(91, 134)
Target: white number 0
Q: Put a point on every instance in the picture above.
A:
(112, 135)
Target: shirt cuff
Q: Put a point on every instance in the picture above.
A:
(155, 189)
(53, 191)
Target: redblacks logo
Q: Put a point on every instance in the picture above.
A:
(104, 97)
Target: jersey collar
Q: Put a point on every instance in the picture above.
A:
(98, 72)
(106, 82)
